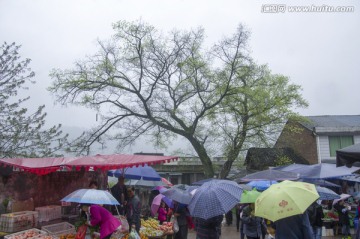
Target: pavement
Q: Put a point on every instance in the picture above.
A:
(229, 232)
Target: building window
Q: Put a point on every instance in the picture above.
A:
(339, 142)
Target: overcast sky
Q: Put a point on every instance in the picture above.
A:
(319, 50)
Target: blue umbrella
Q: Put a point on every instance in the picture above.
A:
(261, 185)
(318, 171)
(214, 198)
(321, 182)
(270, 174)
(91, 196)
(141, 172)
(326, 194)
(178, 195)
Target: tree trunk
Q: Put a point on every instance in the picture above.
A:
(204, 158)
(225, 170)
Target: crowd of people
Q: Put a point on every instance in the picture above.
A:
(131, 207)
(307, 225)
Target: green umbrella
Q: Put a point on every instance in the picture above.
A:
(249, 196)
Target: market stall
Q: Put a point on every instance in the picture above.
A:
(51, 214)
(42, 166)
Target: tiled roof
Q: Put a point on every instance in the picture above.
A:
(332, 121)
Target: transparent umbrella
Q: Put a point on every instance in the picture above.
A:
(181, 196)
(91, 196)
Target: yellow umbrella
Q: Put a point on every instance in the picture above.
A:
(285, 199)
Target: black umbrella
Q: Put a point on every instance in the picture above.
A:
(348, 155)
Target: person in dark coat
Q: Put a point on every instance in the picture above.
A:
(133, 209)
(294, 227)
(239, 225)
(208, 229)
(252, 224)
(343, 211)
(119, 191)
(237, 216)
(180, 212)
(229, 217)
(315, 212)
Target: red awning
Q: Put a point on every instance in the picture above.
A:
(43, 166)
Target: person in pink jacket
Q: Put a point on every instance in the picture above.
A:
(162, 213)
(102, 217)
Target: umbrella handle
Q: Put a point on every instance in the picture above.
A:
(117, 210)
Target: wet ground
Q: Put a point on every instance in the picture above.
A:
(229, 232)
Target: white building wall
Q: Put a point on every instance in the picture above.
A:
(324, 148)
(356, 139)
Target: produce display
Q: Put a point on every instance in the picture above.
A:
(67, 236)
(18, 221)
(151, 228)
(150, 223)
(32, 233)
(330, 215)
(127, 236)
(167, 228)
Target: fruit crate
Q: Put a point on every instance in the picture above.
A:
(59, 229)
(18, 221)
(48, 213)
(27, 234)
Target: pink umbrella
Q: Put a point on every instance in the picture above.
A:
(167, 182)
(156, 203)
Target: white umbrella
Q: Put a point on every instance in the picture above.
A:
(145, 183)
(343, 196)
(91, 196)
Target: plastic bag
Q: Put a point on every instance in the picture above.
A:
(124, 224)
(175, 224)
(133, 234)
(268, 236)
(81, 232)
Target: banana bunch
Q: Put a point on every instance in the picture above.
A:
(150, 232)
(150, 223)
